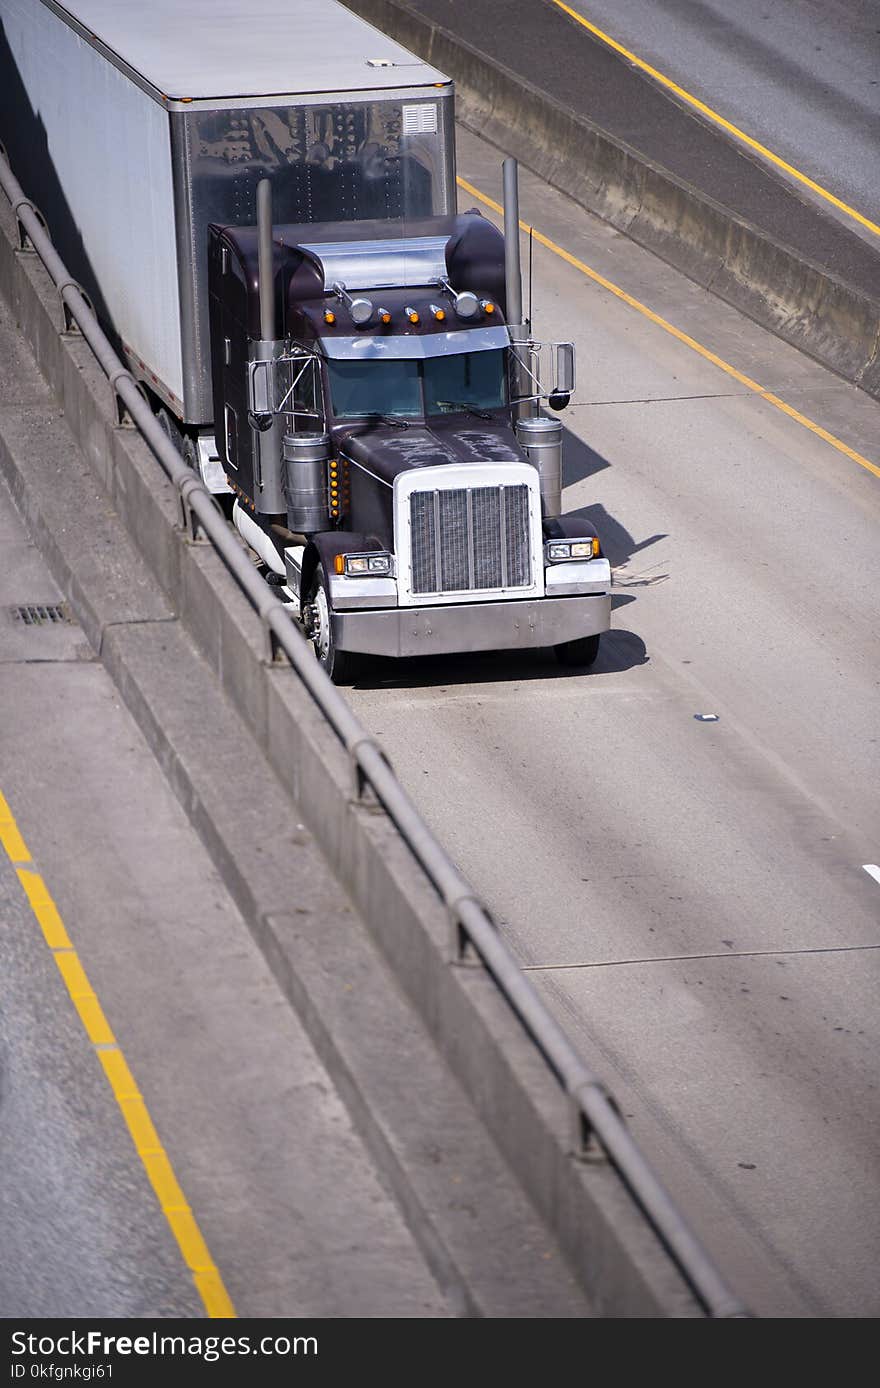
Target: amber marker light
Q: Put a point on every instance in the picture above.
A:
(339, 563)
(487, 306)
(411, 315)
(329, 316)
(439, 313)
(384, 316)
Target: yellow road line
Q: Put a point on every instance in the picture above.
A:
(719, 119)
(678, 334)
(143, 1134)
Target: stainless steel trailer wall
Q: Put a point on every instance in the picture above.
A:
(94, 148)
(139, 124)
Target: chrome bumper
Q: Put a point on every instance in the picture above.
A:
(484, 626)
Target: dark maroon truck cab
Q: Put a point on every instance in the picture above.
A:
(384, 441)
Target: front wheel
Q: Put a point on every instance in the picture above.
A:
(341, 666)
(582, 652)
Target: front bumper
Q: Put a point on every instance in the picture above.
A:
(484, 626)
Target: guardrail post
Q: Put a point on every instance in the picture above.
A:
(462, 950)
(189, 522)
(24, 241)
(70, 323)
(121, 413)
(362, 788)
(585, 1146)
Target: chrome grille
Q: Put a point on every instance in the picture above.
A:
(424, 559)
(516, 525)
(454, 540)
(470, 539)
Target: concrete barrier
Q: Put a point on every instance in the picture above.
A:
(618, 1259)
(796, 299)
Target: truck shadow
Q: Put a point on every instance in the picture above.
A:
(619, 650)
(579, 460)
(618, 545)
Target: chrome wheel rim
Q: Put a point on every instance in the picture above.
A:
(321, 625)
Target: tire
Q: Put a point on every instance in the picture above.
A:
(582, 652)
(189, 451)
(184, 443)
(341, 666)
(171, 429)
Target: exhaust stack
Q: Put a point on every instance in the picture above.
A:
(269, 496)
(264, 259)
(512, 271)
(519, 331)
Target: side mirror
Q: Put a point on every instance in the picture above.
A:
(260, 421)
(564, 374)
(558, 399)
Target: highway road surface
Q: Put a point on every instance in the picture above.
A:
(801, 78)
(675, 842)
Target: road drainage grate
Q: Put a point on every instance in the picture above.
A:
(38, 614)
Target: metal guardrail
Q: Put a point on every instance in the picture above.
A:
(595, 1115)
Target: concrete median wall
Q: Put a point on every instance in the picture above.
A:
(796, 299)
(617, 1258)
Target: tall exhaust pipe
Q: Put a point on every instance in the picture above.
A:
(265, 267)
(269, 498)
(512, 271)
(513, 282)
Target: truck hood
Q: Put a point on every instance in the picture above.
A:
(385, 450)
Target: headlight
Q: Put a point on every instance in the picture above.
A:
(557, 551)
(359, 565)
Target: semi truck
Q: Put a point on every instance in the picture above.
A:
(261, 202)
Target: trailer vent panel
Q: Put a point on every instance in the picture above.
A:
(470, 539)
(420, 119)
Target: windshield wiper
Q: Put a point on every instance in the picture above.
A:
(387, 419)
(464, 405)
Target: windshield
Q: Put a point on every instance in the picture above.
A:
(474, 379)
(375, 387)
(413, 388)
